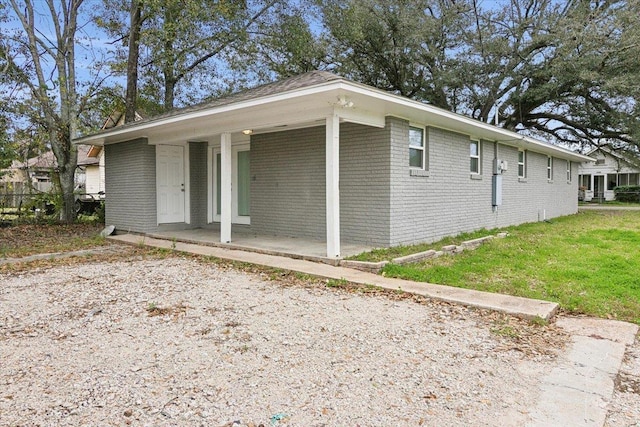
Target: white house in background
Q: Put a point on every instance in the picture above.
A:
(610, 169)
(92, 167)
(91, 158)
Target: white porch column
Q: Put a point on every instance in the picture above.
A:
(225, 188)
(332, 182)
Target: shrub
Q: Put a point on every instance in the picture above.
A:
(627, 193)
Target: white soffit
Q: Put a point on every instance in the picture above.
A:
(365, 105)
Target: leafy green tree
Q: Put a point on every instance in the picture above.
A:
(39, 59)
(285, 45)
(563, 70)
(7, 146)
(399, 46)
(184, 46)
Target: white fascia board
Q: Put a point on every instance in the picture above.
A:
(390, 103)
(138, 130)
(461, 124)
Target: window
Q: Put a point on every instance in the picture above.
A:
(549, 168)
(416, 148)
(474, 148)
(585, 181)
(522, 161)
(612, 181)
(627, 179)
(568, 171)
(623, 179)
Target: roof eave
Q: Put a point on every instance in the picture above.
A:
(453, 120)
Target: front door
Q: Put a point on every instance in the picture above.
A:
(170, 183)
(240, 184)
(598, 187)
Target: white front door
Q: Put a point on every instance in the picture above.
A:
(240, 184)
(170, 183)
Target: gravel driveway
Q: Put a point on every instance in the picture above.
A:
(180, 342)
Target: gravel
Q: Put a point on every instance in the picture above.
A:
(624, 407)
(182, 342)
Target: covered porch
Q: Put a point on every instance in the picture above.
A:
(292, 247)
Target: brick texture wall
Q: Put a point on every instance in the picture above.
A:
(288, 184)
(130, 180)
(364, 184)
(198, 183)
(449, 201)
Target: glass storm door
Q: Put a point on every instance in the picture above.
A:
(240, 184)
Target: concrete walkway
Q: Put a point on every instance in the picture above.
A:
(576, 392)
(521, 307)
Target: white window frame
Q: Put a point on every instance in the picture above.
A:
(423, 148)
(549, 168)
(568, 170)
(478, 156)
(522, 163)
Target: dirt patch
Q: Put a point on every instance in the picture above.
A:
(29, 239)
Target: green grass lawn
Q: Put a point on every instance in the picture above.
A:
(589, 263)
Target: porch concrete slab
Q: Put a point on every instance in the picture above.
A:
(577, 391)
(521, 307)
(272, 245)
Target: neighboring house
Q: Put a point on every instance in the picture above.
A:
(91, 169)
(320, 157)
(36, 174)
(609, 170)
(91, 159)
(12, 185)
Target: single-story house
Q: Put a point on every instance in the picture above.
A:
(609, 170)
(324, 158)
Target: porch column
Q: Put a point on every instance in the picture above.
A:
(225, 188)
(332, 183)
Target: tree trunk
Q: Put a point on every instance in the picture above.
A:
(132, 62)
(169, 91)
(67, 184)
(66, 154)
